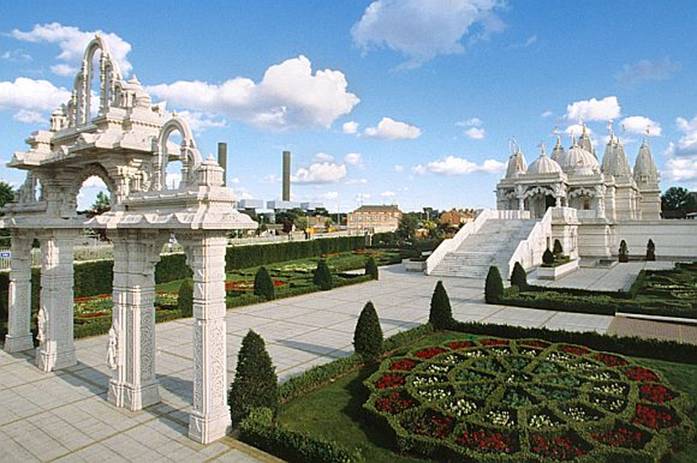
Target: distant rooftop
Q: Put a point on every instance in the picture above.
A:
(378, 208)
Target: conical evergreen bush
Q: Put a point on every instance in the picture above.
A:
(623, 252)
(558, 249)
(367, 339)
(185, 301)
(519, 277)
(263, 284)
(650, 250)
(323, 276)
(255, 384)
(371, 268)
(441, 314)
(493, 290)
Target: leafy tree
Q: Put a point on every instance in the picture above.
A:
(519, 277)
(441, 314)
(102, 204)
(548, 257)
(650, 250)
(407, 227)
(623, 252)
(367, 339)
(371, 268)
(185, 301)
(256, 383)
(263, 284)
(678, 201)
(7, 193)
(323, 276)
(493, 289)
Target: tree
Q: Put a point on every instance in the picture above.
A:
(650, 250)
(493, 289)
(102, 204)
(367, 338)
(519, 277)
(371, 268)
(677, 202)
(441, 314)
(323, 276)
(406, 230)
(263, 284)
(256, 383)
(623, 252)
(7, 193)
(185, 301)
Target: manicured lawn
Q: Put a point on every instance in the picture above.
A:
(336, 410)
(670, 292)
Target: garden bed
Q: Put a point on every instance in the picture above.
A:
(453, 396)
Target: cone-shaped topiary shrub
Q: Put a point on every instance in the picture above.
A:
(558, 250)
(548, 257)
(650, 250)
(255, 384)
(185, 301)
(263, 284)
(519, 277)
(493, 290)
(623, 252)
(323, 276)
(371, 268)
(441, 315)
(367, 339)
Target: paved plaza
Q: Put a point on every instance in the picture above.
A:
(64, 416)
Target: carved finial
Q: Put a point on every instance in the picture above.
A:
(542, 149)
(610, 130)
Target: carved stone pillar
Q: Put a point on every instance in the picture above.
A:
(19, 336)
(131, 346)
(210, 415)
(55, 319)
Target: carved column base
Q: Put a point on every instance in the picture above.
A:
(18, 343)
(205, 430)
(48, 360)
(133, 398)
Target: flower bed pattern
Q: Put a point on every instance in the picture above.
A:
(495, 400)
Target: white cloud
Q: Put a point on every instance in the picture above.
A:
(576, 130)
(642, 125)
(289, 95)
(320, 172)
(686, 146)
(594, 110)
(29, 117)
(353, 159)
(471, 122)
(63, 69)
(476, 133)
(16, 56)
(350, 127)
(646, 70)
(546, 114)
(30, 98)
(453, 165)
(422, 30)
(199, 121)
(681, 169)
(94, 182)
(323, 157)
(72, 42)
(389, 129)
(398, 168)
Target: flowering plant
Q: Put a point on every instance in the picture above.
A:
(429, 352)
(641, 374)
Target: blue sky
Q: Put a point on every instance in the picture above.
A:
(409, 101)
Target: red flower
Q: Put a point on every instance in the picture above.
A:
(576, 350)
(610, 360)
(483, 440)
(494, 342)
(622, 436)
(657, 393)
(429, 352)
(535, 343)
(403, 364)
(394, 403)
(390, 380)
(641, 374)
(561, 447)
(431, 424)
(655, 417)
(455, 345)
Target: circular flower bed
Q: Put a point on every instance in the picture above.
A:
(493, 400)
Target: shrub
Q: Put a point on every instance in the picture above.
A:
(548, 257)
(623, 252)
(519, 277)
(441, 314)
(493, 290)
(323, 276)
(255, 384)
(371, 268)
(650, 250)
(558, 249)
(367, 339)
(263, 285)
(185, 302)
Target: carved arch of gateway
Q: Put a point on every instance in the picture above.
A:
(125, 144)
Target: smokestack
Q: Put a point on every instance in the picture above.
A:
(286, 176)
(222, 160)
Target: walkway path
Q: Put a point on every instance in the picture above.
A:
(64, 416)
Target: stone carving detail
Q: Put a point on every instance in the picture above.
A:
(41, 324)
(198, 365)
(112, 351)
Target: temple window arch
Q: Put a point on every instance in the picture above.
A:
(175, 143)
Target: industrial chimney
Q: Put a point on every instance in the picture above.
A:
(222, 160)
(286, 176)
